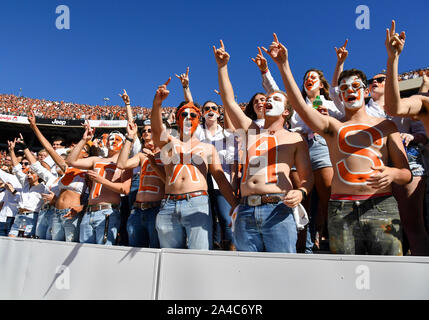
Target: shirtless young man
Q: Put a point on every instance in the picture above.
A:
(185, 218)
(410, 197)
(265, 220)
(363, 216)
(101, 222)
(141, 224)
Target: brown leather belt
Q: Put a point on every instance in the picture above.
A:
(147, 205)
(260, 199)
(186, 196)
(98, 207)
(24, 211)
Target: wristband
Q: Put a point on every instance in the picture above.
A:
(265, 71)
(186, 87)
(304, 194)
(24, 146)
(129, 139)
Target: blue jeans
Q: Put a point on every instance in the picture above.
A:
(185, 224)
(222, 209)
(141, 228)
(267, 228)
(27, 222)
(134, 189)
(6, 226)
(65, 229)
(92, 227)
(44, 224)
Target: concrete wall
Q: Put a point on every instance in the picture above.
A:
(36, 269)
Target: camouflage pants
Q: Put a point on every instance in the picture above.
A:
(365, 227)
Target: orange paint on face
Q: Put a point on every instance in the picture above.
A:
(345, 174)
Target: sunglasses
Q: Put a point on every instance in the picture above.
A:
(356, 85)
(379, 80)
(214, 108)
(148, 131)
(185, 114)
(25, 163)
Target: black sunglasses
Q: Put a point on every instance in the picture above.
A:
(214, 108)
(379, 80)
(148, 131)
(193, 115)
(25, 163)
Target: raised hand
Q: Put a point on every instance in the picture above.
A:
(125, 97)
(342, 53)
(31, 117)
(222, 57)
(260, 61)
(132, 130)
(162, 92)
(394, 42)
(11, 145)
(277, 51)
(89, 132)
(184, 78)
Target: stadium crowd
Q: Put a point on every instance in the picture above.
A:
(18, 106)
(305, 170)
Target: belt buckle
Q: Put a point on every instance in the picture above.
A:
(254, 201)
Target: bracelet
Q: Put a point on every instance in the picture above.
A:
(186, 87)
(129, 139)
(265, 71)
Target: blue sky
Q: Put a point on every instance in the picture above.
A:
(137, 45)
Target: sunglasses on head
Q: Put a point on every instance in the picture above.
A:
(148, 131)
(379, 80)
(208, 108)
(192, 114)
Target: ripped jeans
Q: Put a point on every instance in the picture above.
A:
(365, 227)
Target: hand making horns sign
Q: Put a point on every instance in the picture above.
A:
(125, 97)
(260, 61)
(222, 57)
(394, 42)
(184, 78)
(277, 52)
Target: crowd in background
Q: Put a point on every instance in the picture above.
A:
(117, 189)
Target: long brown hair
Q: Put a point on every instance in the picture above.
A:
(323, 91)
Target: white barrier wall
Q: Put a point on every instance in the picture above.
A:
(246, 276)
(36, 269)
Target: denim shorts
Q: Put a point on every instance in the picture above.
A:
(365, 227)
(319, 153)
(25, 222)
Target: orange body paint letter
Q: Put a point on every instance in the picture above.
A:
(358, 178)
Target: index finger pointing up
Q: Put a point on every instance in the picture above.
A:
(167, 82)
(260, 52)
(222, 45)
(187, 71)
(345, 43)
